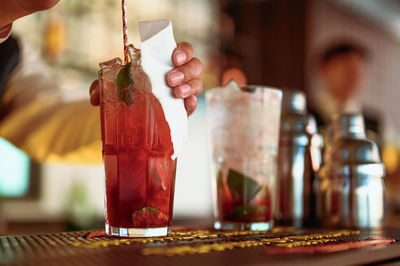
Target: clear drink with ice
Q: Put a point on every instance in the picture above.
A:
(244, 130)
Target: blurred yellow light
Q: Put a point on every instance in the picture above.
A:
(390, 157)
(55, 37)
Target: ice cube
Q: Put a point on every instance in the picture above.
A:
(110, 63)
(134, 54)
(243, 123)
(232, 85)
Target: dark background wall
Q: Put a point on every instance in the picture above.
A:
(267, 42)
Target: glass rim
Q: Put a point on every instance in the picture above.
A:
(252, 89)
(107, 65)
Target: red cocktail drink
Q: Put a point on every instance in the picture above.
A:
(137, 149)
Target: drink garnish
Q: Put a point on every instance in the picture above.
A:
(125, 83)
(242, 187)
(248, 214)
(149, 216)
(232, 85)
(125, 31)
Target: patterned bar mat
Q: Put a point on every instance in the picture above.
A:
(187, 246)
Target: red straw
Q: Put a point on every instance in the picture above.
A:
(125, 31)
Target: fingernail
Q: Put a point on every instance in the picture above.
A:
(180, 57)
(184, 89)
(176, 77)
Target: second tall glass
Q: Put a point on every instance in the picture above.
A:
(244, 132)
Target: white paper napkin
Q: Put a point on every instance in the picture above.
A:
(157, 46)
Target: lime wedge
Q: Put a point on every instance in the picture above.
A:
(248, 214)
(243, 188)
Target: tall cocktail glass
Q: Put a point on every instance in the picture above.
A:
(244, 132)
(137, 149)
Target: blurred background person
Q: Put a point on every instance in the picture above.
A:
(342, 68)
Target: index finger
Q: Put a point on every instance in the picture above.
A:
(182, 54)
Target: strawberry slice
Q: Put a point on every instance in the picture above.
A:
(149, 217)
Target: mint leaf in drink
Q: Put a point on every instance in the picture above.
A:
(242, 212)
(248, 214)
(243, 188)
(149, 216)
(123, 77)
(125, 83)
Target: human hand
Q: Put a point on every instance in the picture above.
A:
(183, 79)
(14, 9)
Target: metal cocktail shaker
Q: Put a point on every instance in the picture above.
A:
(350, 186)
(299, 157)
